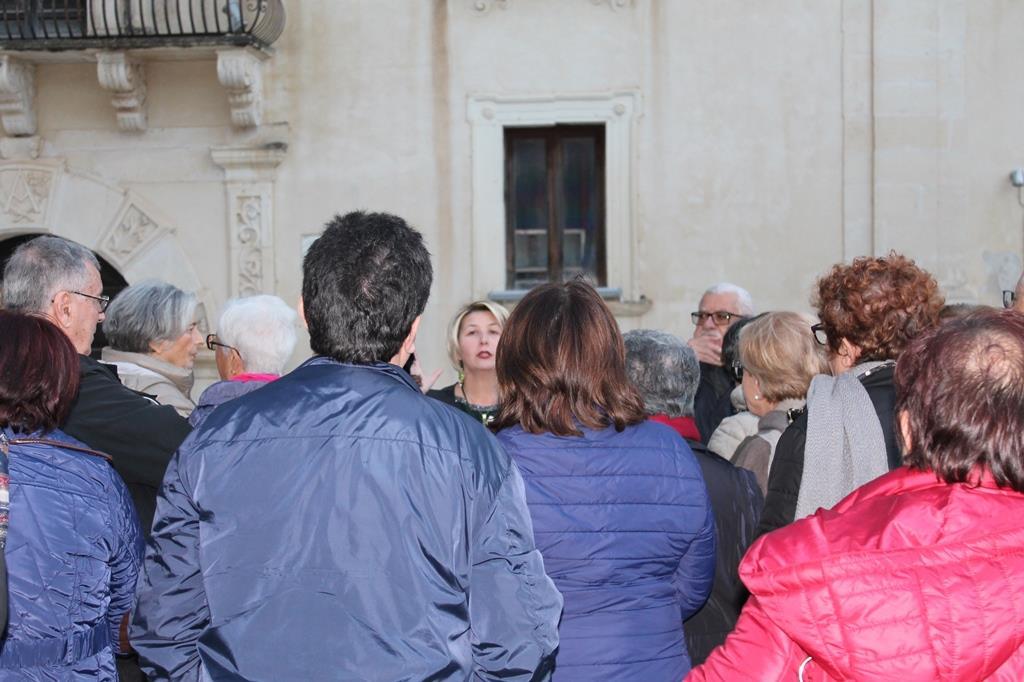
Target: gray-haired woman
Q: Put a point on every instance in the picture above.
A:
(152, 329)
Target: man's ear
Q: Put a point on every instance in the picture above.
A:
(60, 310)
(409, 345)
(301, 307)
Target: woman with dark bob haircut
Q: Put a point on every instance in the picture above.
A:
(619, 507)
(73, 546)
(869, 311)
(918, 575)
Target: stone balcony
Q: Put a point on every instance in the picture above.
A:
(122, 36)
(76, 25)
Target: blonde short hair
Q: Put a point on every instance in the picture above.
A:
(500, 314)
(779, 350)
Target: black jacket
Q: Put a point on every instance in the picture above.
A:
(137, 433)
(788, 465)
(713, 401)
(736, 501)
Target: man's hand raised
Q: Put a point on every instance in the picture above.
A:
(708, 347)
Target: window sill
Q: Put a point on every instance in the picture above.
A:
(611, 295)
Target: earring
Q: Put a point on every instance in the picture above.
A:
(757, 397)
(462, 374)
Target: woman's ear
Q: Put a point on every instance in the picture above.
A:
(907, 435)
(845, 357)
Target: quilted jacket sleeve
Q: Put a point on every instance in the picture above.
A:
(126, 556)
(514, 607)
(696, 570)
(172, 611)
(755, 647)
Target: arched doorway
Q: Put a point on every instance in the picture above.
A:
(113, 282)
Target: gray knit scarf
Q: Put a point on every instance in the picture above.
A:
(845, 447)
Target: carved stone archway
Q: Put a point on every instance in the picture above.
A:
(128, 231)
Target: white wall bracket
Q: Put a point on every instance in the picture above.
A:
(17, 96)
(240, 71)
(126, 79)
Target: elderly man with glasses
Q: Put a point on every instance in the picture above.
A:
(60, 279)
(721, 306)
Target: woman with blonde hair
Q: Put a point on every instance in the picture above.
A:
(779, 357)
(472, 347)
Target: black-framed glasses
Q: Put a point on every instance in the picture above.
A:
(737, 371)
(212, 343)
(720, 317)
(1009, 298)
(820, 335)
(101, 300)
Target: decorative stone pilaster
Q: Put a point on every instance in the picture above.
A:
(17, 96)
(240, 71)
(126, 79)
(249, 174)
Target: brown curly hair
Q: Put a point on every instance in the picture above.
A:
(878, 304)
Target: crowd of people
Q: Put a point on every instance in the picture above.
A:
(779, 497)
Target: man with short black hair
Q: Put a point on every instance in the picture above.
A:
(337, 523)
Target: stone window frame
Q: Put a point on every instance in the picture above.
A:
(489, 115)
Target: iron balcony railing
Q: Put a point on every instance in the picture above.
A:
(121, 24)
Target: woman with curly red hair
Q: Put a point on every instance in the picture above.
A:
(870, 310)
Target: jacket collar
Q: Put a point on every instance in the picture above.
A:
(906, 480)
(393, 371)
(179, 376)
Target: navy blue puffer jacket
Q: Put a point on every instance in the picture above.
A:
(337, 524)
(73, 553)
(627, 534)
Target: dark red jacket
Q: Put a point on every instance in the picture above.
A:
(908, 578)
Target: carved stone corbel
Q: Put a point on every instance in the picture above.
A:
(17, 96)
(126, 79)
(240, 72)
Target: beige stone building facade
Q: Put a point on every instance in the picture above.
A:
(756, 142)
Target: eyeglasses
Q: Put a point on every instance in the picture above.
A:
(721, 318)
(1009, 298)
(820, 335)
(737, 372)
(212, 343)
(101, 300)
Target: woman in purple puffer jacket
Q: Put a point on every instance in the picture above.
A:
(619, 508)
(73, 545)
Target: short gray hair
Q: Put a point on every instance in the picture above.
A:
(664, 370)
(746, 303)
(40, 268)
(262, 330)
(146, 312)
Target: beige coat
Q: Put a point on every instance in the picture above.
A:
(169, 384)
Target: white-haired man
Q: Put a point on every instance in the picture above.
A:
(721, 306)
